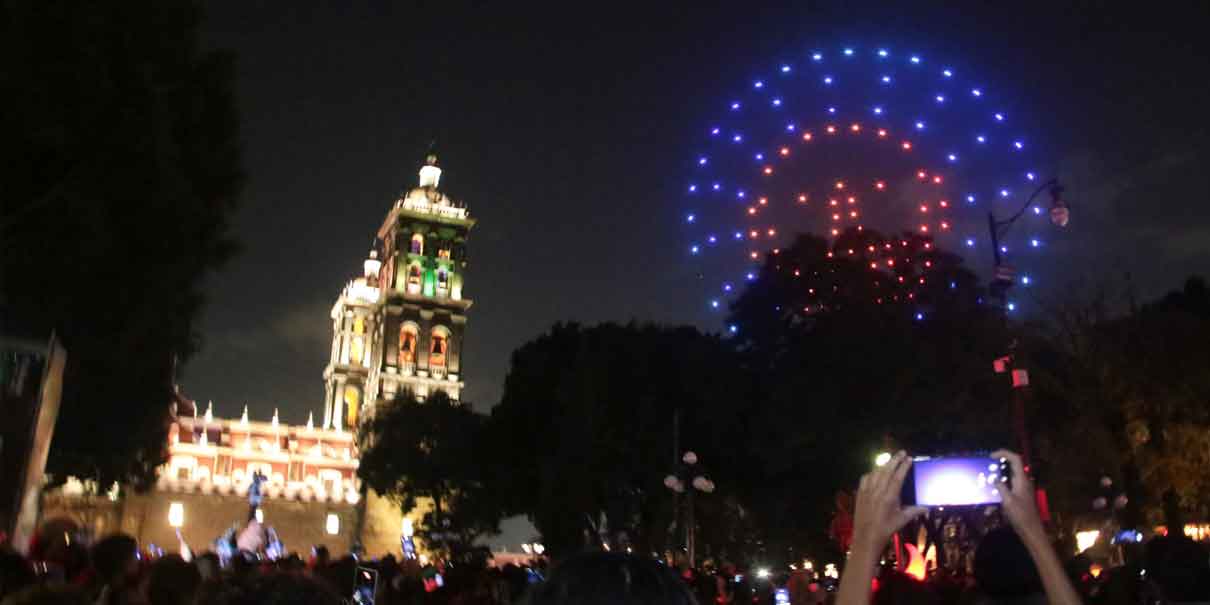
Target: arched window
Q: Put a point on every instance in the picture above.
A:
(415, 279)
(358, 345)
(408, 334)
(417, 244)
(443, 282)
(439, 344)
(352, 403)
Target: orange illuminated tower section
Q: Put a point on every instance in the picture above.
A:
(399, 328)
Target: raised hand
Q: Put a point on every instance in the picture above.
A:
(1017, 500)
(879, 513)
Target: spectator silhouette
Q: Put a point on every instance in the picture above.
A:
(603, 578)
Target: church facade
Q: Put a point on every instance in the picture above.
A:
(397, 330)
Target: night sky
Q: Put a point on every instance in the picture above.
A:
(569, 133)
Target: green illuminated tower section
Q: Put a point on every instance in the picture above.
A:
(421, 314)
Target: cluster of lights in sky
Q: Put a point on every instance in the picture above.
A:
(741, 171)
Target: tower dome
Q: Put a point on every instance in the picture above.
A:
(430, 174)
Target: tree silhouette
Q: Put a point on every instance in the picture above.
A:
(431, 449)
(121, 171)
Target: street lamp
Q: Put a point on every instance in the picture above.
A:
(176, 515)
(699, 483)
(1060, 214)
(1003, 279)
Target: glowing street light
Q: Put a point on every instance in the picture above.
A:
(176, 514)
(1004, 277)
(698, 483)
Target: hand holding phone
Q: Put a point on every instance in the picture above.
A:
(364, 586)
(879, 512)
(1019, 503)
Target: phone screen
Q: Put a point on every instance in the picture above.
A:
(363, 586)
(956, 481)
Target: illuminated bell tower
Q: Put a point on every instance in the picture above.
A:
(399, 326)
(354, 325)
(422, 314)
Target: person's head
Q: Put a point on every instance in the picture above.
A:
(114, 557)
(1004, 569)
(1180, 568)
(15, 573)
(208, 566)
(270, 589)
(48, 595)
(173, 581)
(898, 588)
(603, 578)
(322, 557)
(287, 588)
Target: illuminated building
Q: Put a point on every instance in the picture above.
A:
(396, 328)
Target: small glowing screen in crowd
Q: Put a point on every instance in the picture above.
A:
(957, 481)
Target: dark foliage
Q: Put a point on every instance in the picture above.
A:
(121, 169)
(431, 449)
(584, 434)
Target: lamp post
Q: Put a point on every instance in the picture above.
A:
(1003, 279)
(699, 483)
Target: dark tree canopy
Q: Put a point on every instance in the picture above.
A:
(584, 432)
(431, 449)
(1136, 386)
(121, 169)
(860, 347)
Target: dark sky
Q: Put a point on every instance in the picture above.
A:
(567, 131)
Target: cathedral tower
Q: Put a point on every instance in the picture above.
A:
(400, 326)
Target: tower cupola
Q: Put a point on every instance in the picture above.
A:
(430, 174)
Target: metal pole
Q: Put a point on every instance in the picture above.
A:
(691, 530)
(676, 498)
(1001, 292)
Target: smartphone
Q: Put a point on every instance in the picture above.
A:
(955, 480)
(363, 586)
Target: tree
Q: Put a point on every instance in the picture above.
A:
(430, 449)
(121, 171)
(862, 344)
(584, 433)
(1122, 395)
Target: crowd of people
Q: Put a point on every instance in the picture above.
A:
(1014, 564)
(115, 571)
